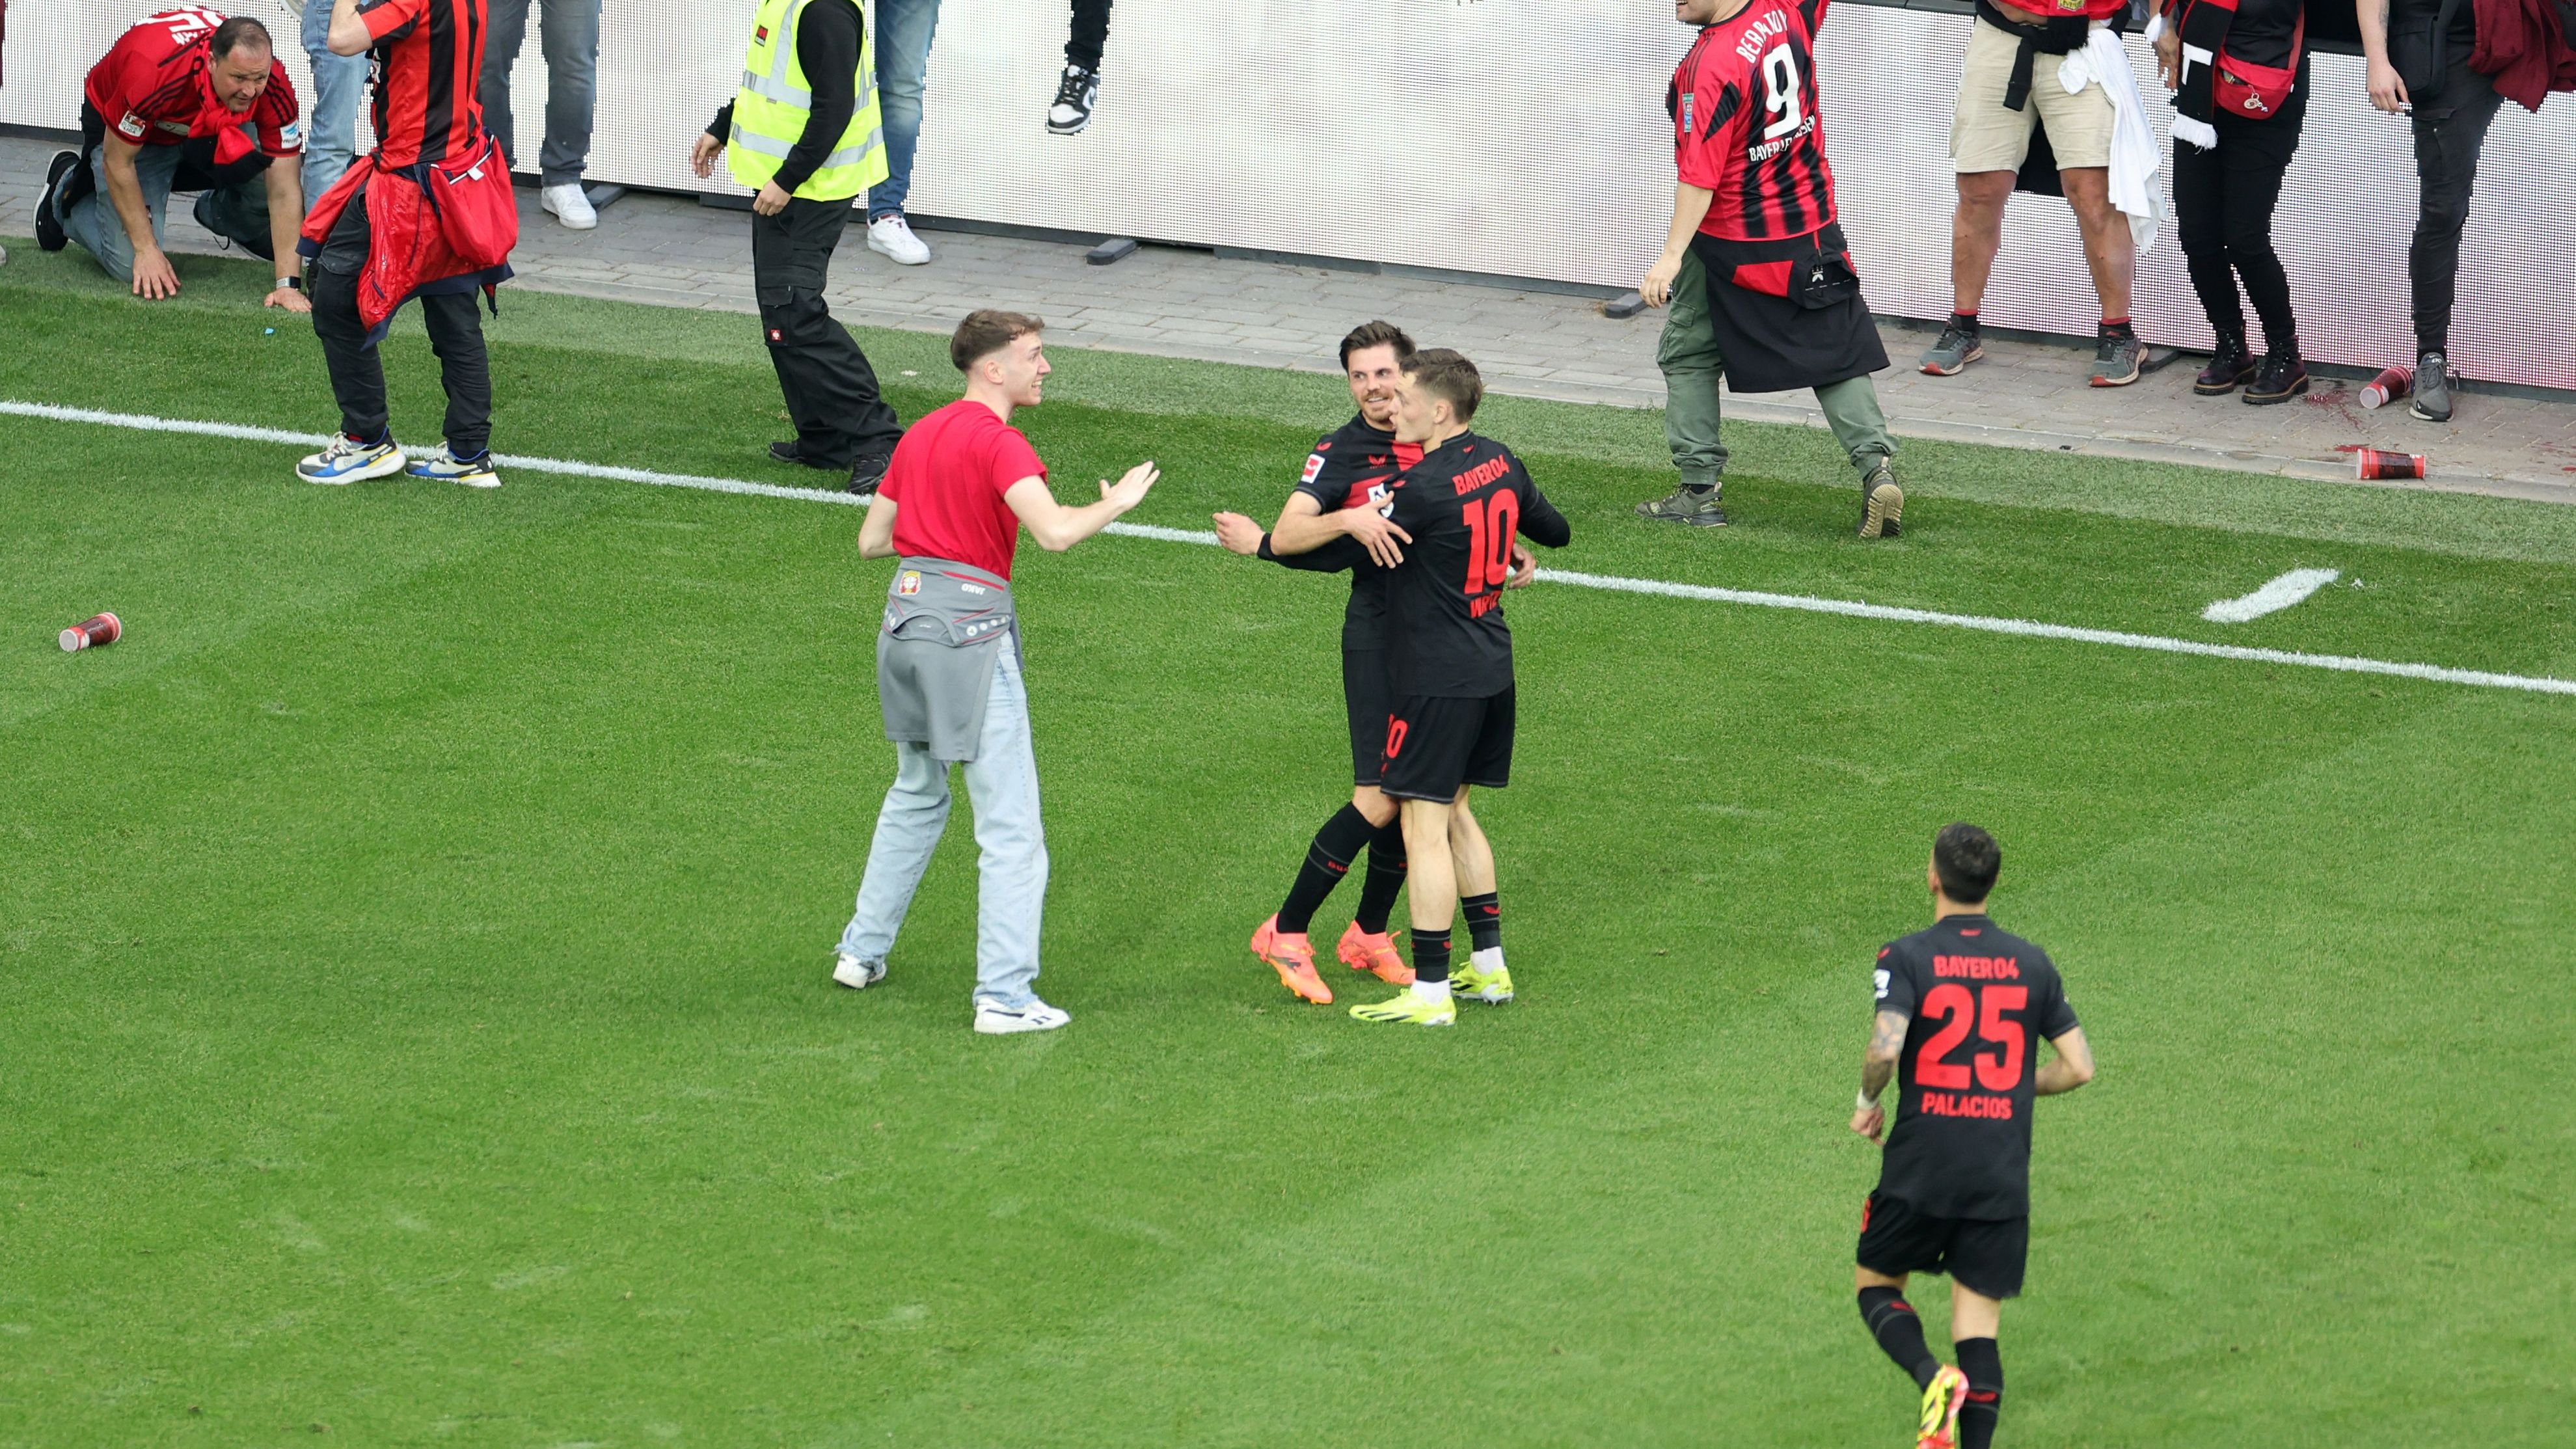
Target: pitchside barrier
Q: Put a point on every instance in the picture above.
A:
(1526, 138)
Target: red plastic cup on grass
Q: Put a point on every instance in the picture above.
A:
(2391, 384)
(91, 632)
(2380, 463)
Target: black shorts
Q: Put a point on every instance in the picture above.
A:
(1435, 745)
(1366, 700)
(1983, 1255)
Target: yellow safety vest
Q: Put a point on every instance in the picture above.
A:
(770, 110)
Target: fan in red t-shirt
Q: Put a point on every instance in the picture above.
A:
(959, 487)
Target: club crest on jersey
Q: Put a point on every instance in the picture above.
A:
(910, 583)
(1314, 466)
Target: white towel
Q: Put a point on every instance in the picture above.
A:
(2135, 160)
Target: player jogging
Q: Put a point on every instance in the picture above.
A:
(1335, 520)
(1450, 670)
(1959, 1006)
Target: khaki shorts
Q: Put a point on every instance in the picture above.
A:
(1986, 137)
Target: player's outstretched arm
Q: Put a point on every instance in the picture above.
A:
(1877, 1066)
(1541, 524)
(1056, 527)
(1304, 527)
(2071, 1068)
(876, 533)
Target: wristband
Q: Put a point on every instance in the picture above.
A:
(290, 284)
(1866, 1103)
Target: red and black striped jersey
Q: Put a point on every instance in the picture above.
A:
(1746, 123)
(428, 56)
(150, 89)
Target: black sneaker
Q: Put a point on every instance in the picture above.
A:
(50, 236)
(2432, 388)
(2117, 357)
(1074, 97)
(2229, 365)
(792, 451)
(867, 473)
(2277, 379)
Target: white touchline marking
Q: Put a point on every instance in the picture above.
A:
(2290, 588)
(1848, 608)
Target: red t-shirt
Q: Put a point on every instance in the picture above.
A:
(947, 480)
(429, 56)
(2060, 9)
(1746, 122)
(151, 88)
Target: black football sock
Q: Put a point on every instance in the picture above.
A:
(1328, 859)
(1890, 1320)
(1431, 955)
(1484, 920)
(1983, 1363)
(1964, 321)
(1386, 869)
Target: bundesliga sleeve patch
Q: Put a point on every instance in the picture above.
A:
(1314, 467)
(132, 126)
(1881, 974)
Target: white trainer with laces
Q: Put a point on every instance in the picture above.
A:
(445, 467)
(858, 975)
(892, 236)
(570, 205)
(992, 1018)
(349, 461)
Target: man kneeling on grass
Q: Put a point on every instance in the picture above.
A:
(949, 675)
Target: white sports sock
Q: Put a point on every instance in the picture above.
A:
(1431, 990)
(1488, 959)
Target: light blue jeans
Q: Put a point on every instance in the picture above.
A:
(239, 211)
(904, 30)
(1002, 785)
(568, 35)
(339, 83)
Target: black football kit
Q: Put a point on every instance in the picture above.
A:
(1954, 1187)
(1355, 466)
(1448, 650)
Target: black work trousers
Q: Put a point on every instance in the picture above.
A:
(831, 390)
(358, 369)
(2223, 205)
(2453, 108)
(1090, 34)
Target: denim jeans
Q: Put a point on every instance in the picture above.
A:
(904, 29)
(568, 34)
(339, 83)
(240, 211)
(1010, 900)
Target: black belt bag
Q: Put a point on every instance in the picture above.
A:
(1816, 273)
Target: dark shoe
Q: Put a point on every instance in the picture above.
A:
(2117, 357)
(204, 211)
(867, 473)
(2229, 365)
(2279, 378)
(1882, 503)
(50, 236)
(1074, 97)
(793, 451)
(2432, 388)
(1958, 346)
(1686, 506)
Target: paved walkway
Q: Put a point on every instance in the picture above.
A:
(1176, 302)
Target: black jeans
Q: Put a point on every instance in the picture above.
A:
(2223, 204)
(831, 391)
(1090, 34)
(358, 369)
(2452, 112)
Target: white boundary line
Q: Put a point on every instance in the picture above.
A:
(1802, 603)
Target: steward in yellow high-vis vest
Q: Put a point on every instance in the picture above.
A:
(804, 132)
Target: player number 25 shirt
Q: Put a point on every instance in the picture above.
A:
(1981, 1001)
(1746, 123)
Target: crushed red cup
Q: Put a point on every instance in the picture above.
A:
(2372, 463)
(92, 632)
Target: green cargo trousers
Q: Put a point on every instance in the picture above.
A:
(1693, 368)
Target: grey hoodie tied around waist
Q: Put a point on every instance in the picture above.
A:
(944, 625)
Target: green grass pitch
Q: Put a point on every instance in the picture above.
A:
(414, 1021)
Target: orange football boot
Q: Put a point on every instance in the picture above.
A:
(1361, 951)
(1294, 959)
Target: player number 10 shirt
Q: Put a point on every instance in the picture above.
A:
(1746, 123)
(1981, 1001)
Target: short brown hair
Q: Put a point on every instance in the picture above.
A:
(1449, 376)
(235, 33)
(986, 332)
(1377, 334)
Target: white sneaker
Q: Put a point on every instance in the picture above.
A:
(1075, 95)
(444, 466)
(992, 1018)
(892, 236)
(570, 205)
(858, 975)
